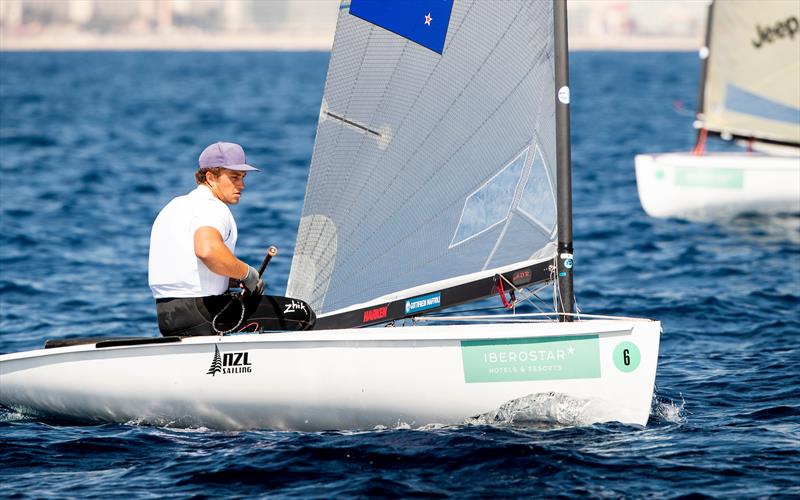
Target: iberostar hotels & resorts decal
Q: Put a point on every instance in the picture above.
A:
(551, 358)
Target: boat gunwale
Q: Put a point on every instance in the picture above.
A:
(686, 159)
(432, 333)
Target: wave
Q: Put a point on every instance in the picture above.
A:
(546, 409)
(667, 410)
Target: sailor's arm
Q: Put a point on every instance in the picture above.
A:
(211, 249)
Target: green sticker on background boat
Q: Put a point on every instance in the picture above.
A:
(730, 178)
(549, 358)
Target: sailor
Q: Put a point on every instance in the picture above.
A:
(192, 263)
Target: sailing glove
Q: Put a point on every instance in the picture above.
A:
(252, 282)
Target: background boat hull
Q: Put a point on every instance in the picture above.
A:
(717, 184)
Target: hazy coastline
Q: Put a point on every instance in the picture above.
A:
(81, 41)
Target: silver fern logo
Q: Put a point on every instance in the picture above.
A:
(216, 364)
(230, 362)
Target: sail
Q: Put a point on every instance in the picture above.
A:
(752, 85)
(435, 150)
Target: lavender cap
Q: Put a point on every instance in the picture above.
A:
(226, 155)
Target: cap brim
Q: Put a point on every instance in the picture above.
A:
(242, 167)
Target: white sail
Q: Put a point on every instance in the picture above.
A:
(753, 70)
(430, 162)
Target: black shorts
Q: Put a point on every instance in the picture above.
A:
(186, 317)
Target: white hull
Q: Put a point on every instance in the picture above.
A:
(717, 184)
(345, 379)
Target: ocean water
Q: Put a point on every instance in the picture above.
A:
(93, 144)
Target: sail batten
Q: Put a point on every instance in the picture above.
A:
(405, 140)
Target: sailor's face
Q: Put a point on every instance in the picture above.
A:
(228, 186)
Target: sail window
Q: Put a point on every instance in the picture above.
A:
(490, 204)
(538, 202)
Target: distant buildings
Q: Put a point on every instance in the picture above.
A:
(637, 18)
(122, 16)
(65, 23)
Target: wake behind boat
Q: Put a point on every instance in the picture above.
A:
(440, 176)
(749, 91)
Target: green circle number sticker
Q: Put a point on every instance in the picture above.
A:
(627, 356)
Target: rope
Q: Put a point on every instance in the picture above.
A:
(528, 317)
(502, 293)
(241, 318)
(700, 146)
(526, 299)
(256, 329)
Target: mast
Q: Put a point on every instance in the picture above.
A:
(566, 299)
(701, 98)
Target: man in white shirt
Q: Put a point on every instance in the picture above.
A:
(192, 262)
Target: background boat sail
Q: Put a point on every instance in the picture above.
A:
(749, 91)
(440, 173)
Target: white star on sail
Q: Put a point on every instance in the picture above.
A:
(428, 19)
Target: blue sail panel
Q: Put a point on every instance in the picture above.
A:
(422, 21)
(741, 101)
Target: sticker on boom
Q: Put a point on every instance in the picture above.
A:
(376, 313)
(522, 277)
(423, 303)
(549, 358)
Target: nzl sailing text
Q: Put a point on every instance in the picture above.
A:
(236, 362)
(230, 362)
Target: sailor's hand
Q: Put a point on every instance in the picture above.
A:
(252, 282)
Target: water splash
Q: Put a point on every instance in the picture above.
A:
(548, 409)
(668, 410)
(12, 415)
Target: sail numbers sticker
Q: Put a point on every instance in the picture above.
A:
(627, 356)
(423, 303)
(548, 358)
(230, 362)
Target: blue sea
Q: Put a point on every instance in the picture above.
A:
(92, 145)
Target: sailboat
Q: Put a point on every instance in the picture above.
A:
(749, 93)
(440, 176)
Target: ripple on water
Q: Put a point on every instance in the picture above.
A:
(73, 260)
